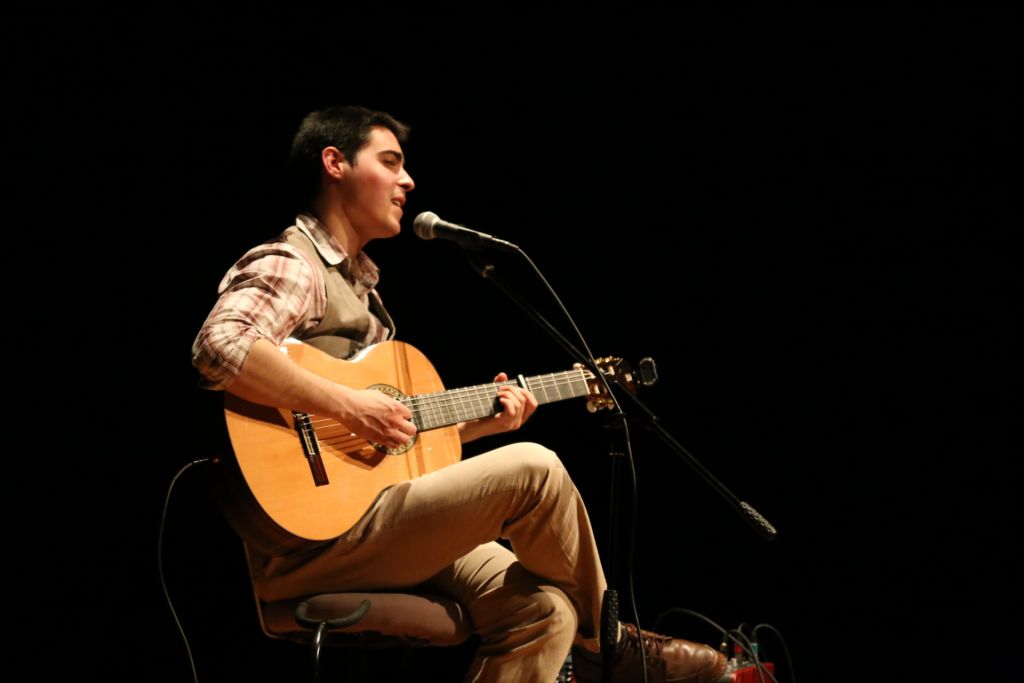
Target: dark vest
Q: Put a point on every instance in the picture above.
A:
(346, 320)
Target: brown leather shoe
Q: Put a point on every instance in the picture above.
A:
(669, 660)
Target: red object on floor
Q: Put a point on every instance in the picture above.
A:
(749, 674)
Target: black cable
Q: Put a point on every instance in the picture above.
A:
(740, 638)
(160, 561)
(690, 612)
(742, 629)
(634, 509)
(749, 649)
(487, 271)
(726, 633)
(631, 545)
(782, 641)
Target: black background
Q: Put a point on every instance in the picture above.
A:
(803, 217)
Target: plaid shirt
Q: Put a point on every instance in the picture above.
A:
(274, 292)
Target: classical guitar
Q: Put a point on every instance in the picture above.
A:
(290, 478)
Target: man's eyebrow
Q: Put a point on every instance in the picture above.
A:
(397, 155)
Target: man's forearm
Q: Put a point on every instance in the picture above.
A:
(268, 377)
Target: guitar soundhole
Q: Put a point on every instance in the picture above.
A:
(394, 393)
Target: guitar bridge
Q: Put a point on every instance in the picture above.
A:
(310, 447)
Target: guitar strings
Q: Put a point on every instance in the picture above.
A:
(483, 395)
(431, 406)
(541, 384)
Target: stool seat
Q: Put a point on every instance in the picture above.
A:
(406, 619)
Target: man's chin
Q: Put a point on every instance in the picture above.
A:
(388, 230)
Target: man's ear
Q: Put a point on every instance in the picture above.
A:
(334, 163)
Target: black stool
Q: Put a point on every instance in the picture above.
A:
(366, 621)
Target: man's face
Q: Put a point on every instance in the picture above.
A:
(377, 183)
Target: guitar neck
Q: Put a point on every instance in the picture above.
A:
(444, 408)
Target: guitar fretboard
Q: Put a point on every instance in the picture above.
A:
(443, 408)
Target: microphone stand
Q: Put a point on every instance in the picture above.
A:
(760, 525)
(610, 602)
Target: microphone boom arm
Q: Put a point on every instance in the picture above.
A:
(753, 518)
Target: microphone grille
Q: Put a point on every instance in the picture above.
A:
(424, 224)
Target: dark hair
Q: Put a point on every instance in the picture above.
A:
(347, 128)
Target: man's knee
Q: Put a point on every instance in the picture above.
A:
(557, 611)
(524, 610)
(551, 619)
(540, 462)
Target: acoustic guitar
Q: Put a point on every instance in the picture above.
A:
(291, 478)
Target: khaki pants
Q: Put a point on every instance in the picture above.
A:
(437, 533)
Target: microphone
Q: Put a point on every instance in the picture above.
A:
(428, 225)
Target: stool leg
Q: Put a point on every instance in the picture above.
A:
(318, 638)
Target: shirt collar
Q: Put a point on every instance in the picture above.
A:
(368, 274)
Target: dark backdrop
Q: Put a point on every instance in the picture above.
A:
(805, 219)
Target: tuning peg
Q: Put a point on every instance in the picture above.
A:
(648, 372)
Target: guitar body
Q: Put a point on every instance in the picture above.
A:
(280, 492)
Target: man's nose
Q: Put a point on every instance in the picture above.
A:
(405, 181)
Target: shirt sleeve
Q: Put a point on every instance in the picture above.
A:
(270, 293)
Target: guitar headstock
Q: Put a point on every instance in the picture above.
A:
(616, 371)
